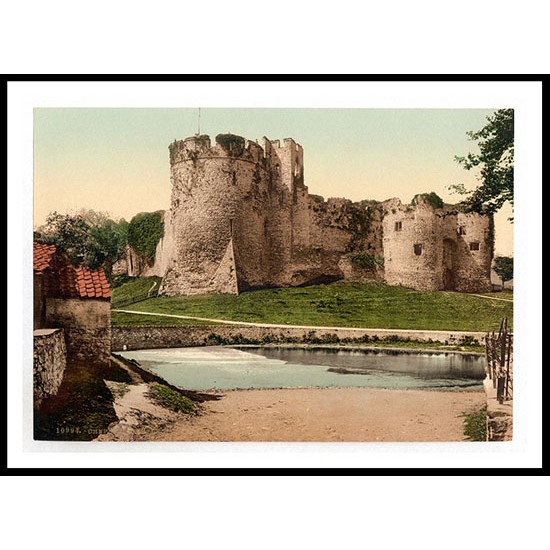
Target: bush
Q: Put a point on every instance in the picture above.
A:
(433, 198)
(171, 399)
(475, 425)
(366, 260)
(468, 341)
(231, 143)
(214, 340)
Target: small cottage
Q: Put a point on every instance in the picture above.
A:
(72, 318)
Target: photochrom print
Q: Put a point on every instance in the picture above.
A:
(289, 275)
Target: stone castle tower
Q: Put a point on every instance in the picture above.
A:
(230, 225)
(427, 248)
(242, 218)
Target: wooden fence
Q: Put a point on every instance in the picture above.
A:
(499, 352)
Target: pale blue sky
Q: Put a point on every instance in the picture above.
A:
(116, 160)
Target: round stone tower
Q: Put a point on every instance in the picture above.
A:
(412, 247)
(219, 196)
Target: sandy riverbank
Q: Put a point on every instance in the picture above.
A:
(313, 414)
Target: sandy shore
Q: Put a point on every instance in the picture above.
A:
(334, 414)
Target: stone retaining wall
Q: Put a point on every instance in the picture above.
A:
(131, 338)
(50, 361)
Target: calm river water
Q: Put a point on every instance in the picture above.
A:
(225, 368)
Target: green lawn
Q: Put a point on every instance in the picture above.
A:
(119, 319)
(369, 305)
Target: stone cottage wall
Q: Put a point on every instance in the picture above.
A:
(50, 361)
(87, 326)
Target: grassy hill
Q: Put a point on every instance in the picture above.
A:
(368, 305)
(134, 290)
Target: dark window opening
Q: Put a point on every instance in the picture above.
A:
(418, 249)
(474, 246)
(398, 226)
(462, 230)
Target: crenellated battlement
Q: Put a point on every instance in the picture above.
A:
(232, 146)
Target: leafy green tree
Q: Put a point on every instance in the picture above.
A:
(89, 238)
(109, 238)
(70, 234)
(495, 162)
(504, 268)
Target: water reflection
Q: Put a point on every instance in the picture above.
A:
(279, 367)
(424, 365)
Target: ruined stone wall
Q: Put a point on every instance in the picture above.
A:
(50, 361)
(87, 327)
(338, 233)
(137, 265)
(164, 252)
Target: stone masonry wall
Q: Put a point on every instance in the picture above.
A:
(87, 326)
(50, 361)
(131, 338)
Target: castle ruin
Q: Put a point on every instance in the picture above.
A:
(241, 218)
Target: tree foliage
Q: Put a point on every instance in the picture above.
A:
(504, 268)
(495, 162)
(89, 238)
(144, 232)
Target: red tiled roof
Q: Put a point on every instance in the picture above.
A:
(91, 283)
(65, 280)
(42, 256)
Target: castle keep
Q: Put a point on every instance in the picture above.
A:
(241, 217)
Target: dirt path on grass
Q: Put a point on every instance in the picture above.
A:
(382, 331)
(334, 414)
(493, 298)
